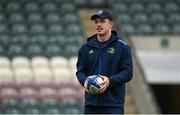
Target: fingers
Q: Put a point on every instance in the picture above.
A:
(105, 84)
(103, 89)
(86, 90)
(85, 86)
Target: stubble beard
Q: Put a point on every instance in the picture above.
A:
(102, 33)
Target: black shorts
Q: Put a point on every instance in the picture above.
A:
(91, 109)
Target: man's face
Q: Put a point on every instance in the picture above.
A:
(103, 26)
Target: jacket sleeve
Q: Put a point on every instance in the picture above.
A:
(126, 68)
(81, 67)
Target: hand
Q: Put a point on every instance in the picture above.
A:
(85, 86)
(105, 84)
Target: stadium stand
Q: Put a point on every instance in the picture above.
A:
(20, 62)
(5, 62)
(142, 17)
(37, 39)
(58, 61)
(6, 75)
(23, 75)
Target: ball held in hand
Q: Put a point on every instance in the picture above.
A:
(94, 84)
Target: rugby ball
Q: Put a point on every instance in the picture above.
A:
(94, 84)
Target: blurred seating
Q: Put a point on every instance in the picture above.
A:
(53, 111)
(174, 17)
(39, 39)
(176, 28)
(58, 39)
(3, 28)
(53, 18)
(58, 62)
(143, 17)
(2, 51)
(43, 76)
(49, 100)
(50, 7)
(6, 76)
(53, 50)
(47, 93)
(69, 98)
(68, 7)
(71, 50)
(124, 18)
(37, 28)
(8, 93)
(81, 2)
(161, 28)
(61, 74)
(34, 17)
(157, 18)
(71, 106)
(34, 50)
(4, 62)
(51, 104)
(22, 39)
(96, 2)
(20, 62)
(153, 7)
(140, 18)
(31, 6)
(36, 39)
(30, 101)
(19, 28)
(4, 41)
(73, 29)
(120, 7)
(31, 106)
(27, 93)
(11, 106)
(38, 23)
(16, 18)
(72, 65)
(10, 100)
(13, 6)
(16, 50)
(127, 29)
(145, 29)
(23, 75)
(2, 17)
(55, 28)
(171, 7)
(40, 62)
(74, 39)
(92, 3)
(71, 18)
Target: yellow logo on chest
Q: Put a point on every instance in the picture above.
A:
(111, 50)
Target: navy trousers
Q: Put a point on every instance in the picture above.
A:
(91, 109)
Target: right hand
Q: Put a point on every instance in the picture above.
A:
(105, 83)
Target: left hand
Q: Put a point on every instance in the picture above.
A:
(105, 84)
(85, 86)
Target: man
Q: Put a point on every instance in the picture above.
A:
(105, 54)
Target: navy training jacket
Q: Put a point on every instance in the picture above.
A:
(113, 59)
